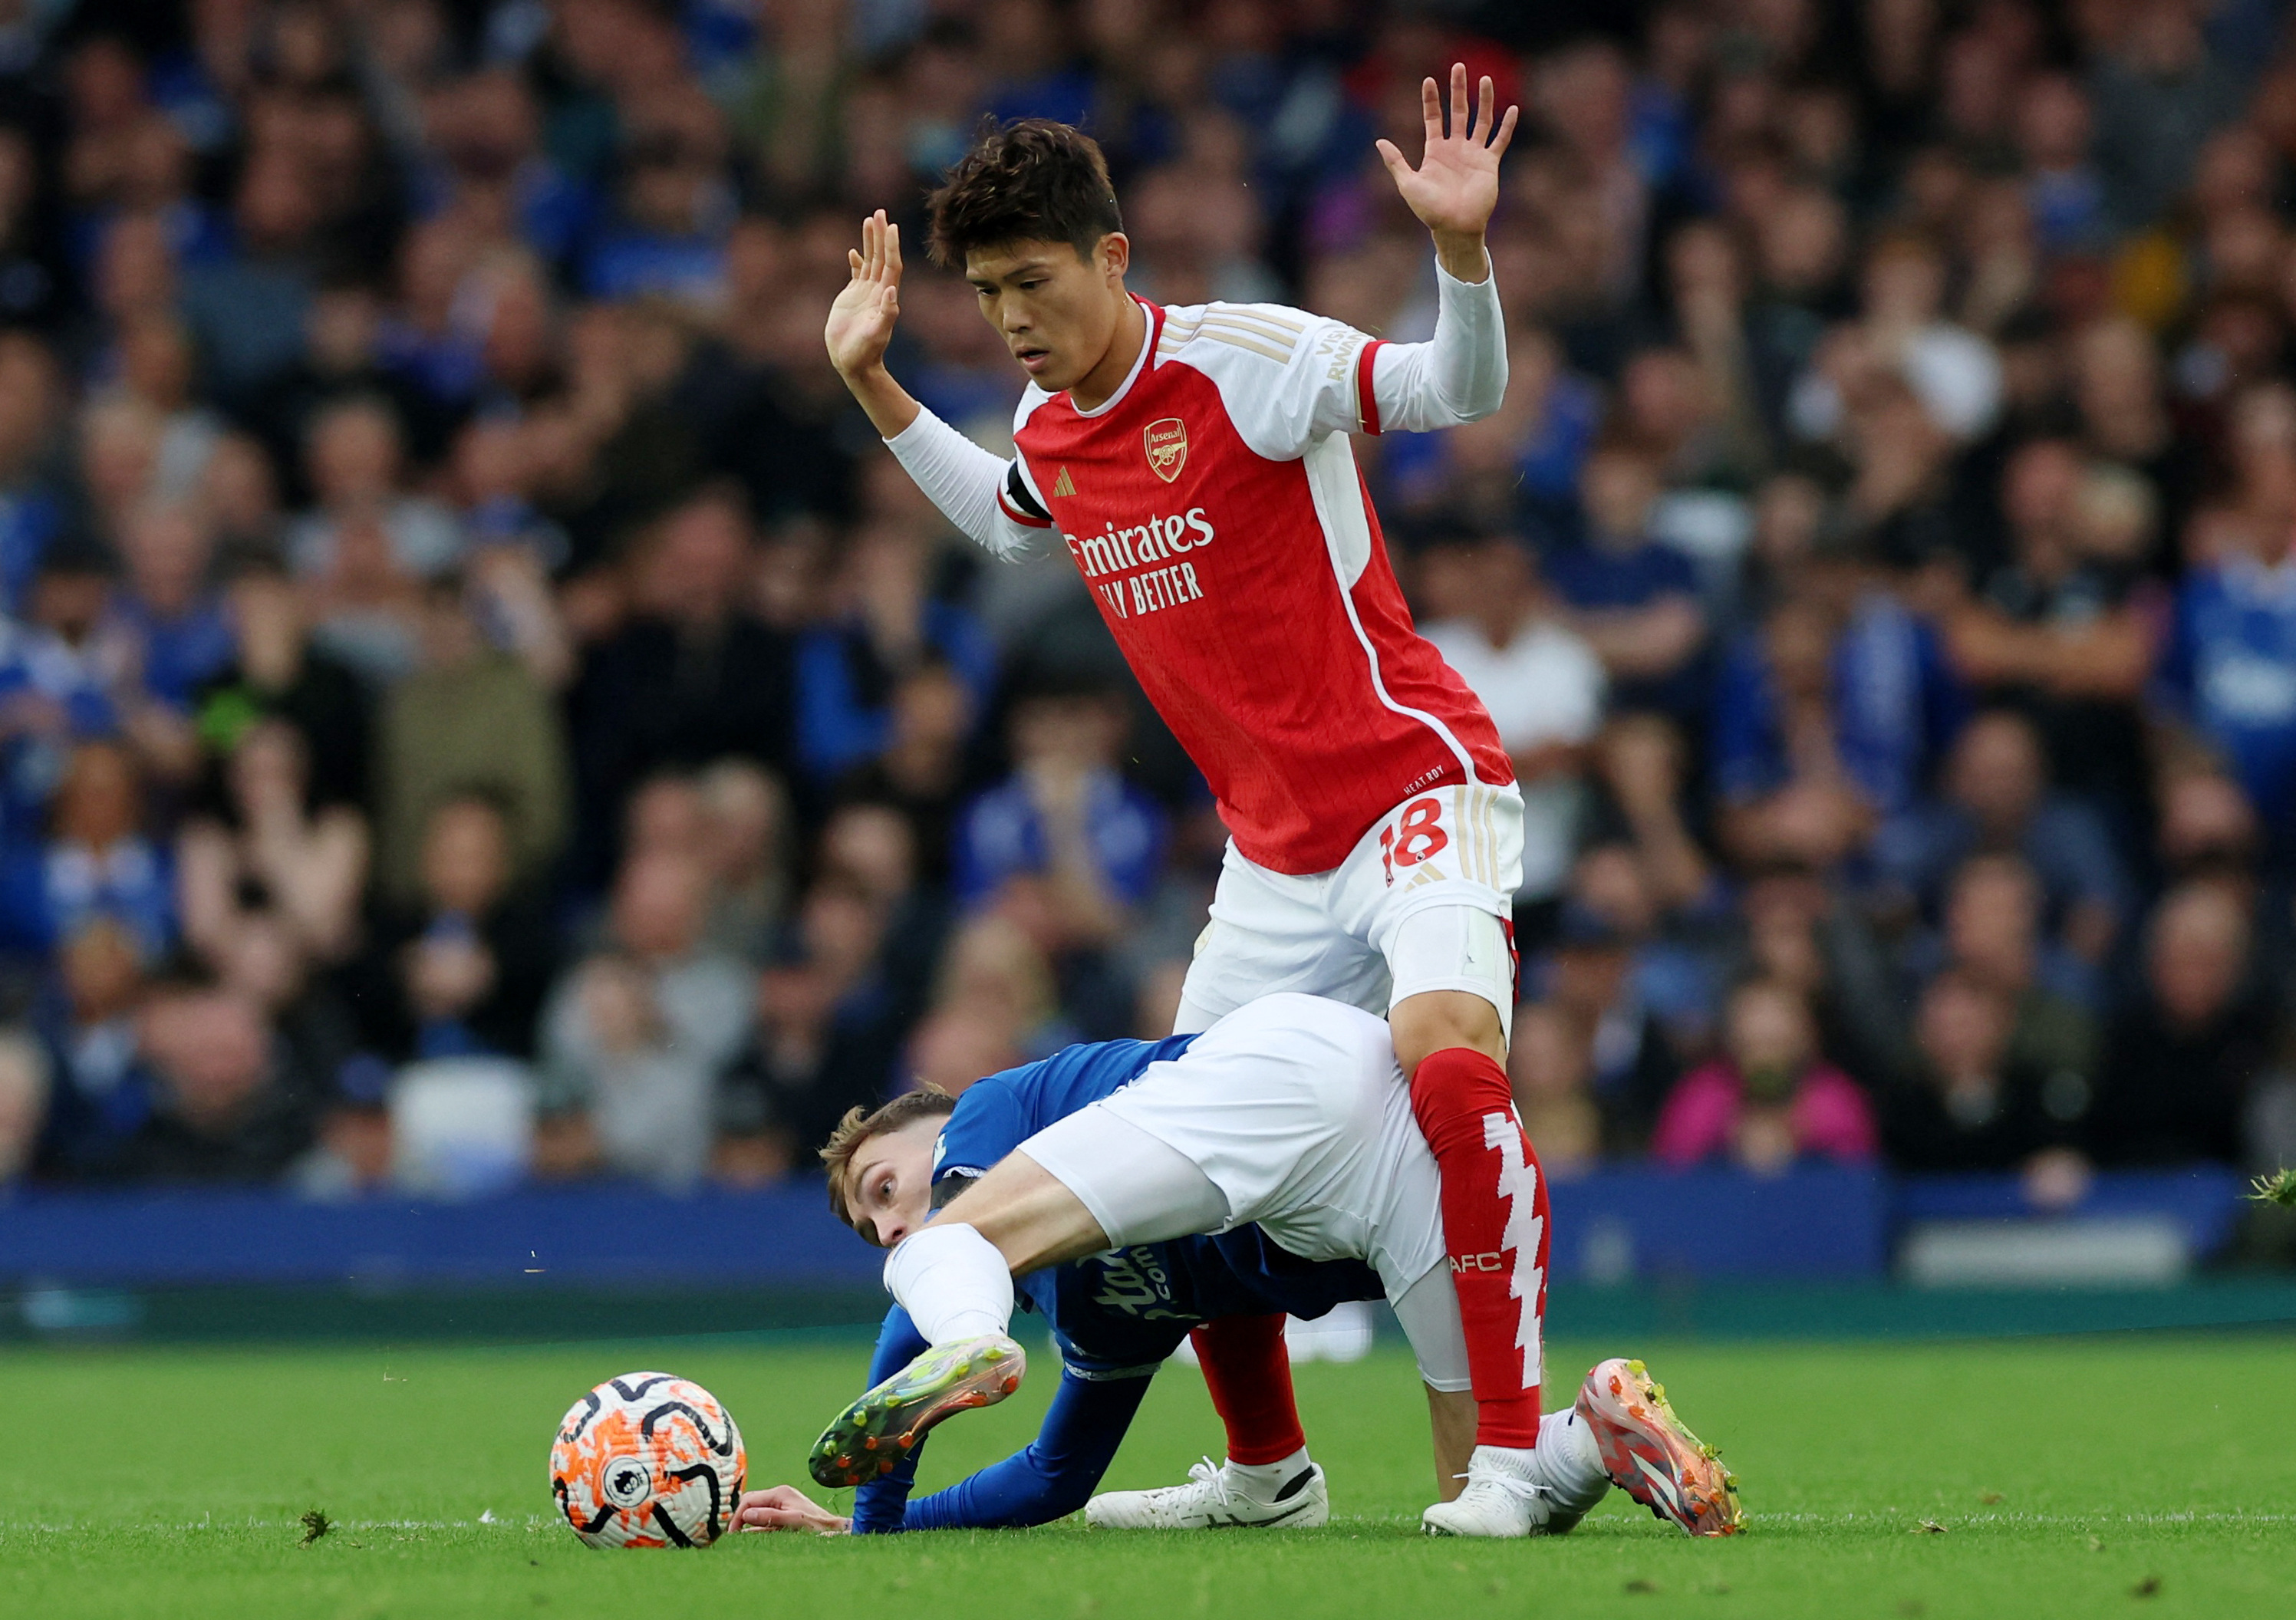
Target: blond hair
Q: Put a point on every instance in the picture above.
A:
(858, 1127)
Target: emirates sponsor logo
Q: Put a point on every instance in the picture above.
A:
(1119, 550)
(1166, 443)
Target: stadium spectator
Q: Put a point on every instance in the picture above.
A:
(461, 971)
(1588, 978)
(1972, 1105)
(176, 633)
(920, 771)
(97, 861)
(1632, 597)
(884, 625)
(354, 459)
(23, 1105)
(2230, 672)
(635, 1037)
(1547, 1062)
(227, 1105)
(2057, 630)
(2181, 1060)
(1770, 1099)
(1992, 935)
(691, 677)
(86, 1015)
(745, 843)
(472, 716)
(828, 1023)
(32, 509)
(1540, 680)
(1065, 836)
(1997, 799)
(1800, 930)
(277, 674)
(266, 849)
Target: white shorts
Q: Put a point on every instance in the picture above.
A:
(1294, 1110)
(1425, 901)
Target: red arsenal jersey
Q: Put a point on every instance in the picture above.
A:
(1214, 507)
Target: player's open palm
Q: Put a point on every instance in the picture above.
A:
(1456, 185)
(861, 320)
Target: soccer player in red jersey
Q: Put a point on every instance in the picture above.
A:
(1197, 465)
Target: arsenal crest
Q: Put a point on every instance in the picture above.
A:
(1167, 442)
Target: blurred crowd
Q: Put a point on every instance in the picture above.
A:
(477, 702)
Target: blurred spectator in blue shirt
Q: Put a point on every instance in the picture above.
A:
(177, 635)
(488, 162)
(426, 338)
(2062, 187)
(2231, 671)
(55, 683)
(1064, 820)
(31, 510)
(1633, 598)
(1824, 719)
(1996, 799)
(86, 1014)
(246, 312)
(95, 862)
(669, 237)
(850, 666)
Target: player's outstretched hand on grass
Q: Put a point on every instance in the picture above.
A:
(786, 1507)
(861, 320)
(1456, 185)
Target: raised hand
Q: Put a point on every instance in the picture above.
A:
(1456, 185)
(861, 320)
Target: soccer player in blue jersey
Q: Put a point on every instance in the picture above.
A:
(1270, 1165)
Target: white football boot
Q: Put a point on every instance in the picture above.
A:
(1215, 1498)
(1497, 1502)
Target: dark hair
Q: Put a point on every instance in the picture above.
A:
(1031, 180)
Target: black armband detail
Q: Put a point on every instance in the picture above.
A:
(1016, 490)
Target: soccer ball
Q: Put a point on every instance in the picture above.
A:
(647, 1459)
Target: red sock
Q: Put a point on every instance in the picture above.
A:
(1494, 1225)
(1248, 1373)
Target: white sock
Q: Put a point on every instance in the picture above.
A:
(952, 1282)
(1515, 1461)
(1567, 1456)
(1262, 1480)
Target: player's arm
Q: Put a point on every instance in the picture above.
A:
(989, 499)
(1460, 374)
(1055, 1475)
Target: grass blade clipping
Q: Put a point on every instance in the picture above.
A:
(2278, 1188)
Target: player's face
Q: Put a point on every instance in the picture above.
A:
(1057, 310)
(892, 1182)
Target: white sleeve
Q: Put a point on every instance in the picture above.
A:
(1459, 375)
(990, 500)
(1290, 380)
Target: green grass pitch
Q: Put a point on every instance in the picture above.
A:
(2144, 1477)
